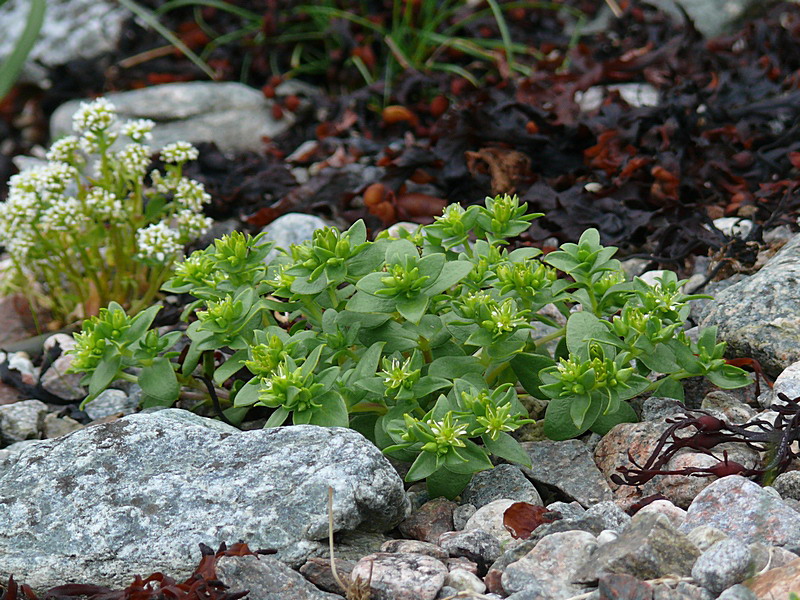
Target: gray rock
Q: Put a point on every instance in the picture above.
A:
(461, 515)
(680, 591)
(54, 426)
(737, 592)
(655, 408)
(650, 547)
(734, 410)
(464, 581)
(788, 383)
(705, 536)
(568, 466)
(676, 515)
(352, 545)
(22, 421)
(414, 547)
(267, 579)
(291, 228)
(551, 566)
(138, 494)
(489, 518)
(111, 402)
(504, 481)
(723, 565)
(710, 17)
(232, 115)
(759, 317)
(614, 518)
(743, 510)
(58, 382)
(476, 545)
(788, 485)
(571, 510)
(72, 29)
(21, 362)
(400, 576)
(635, 94)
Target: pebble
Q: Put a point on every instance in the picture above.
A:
(504, 481)
(464, 581)
(22, 421)
(291, 228)
(462, 514)
(676, 515)
(400, 576)
(475, 544)
(415, 547)
(724, 564)
(111, 402)
(429, 521)
(489, 518)
(59, 382)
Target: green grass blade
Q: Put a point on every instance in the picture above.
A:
(151, 21)
(219, 4)
(505, 35)
(12, 66)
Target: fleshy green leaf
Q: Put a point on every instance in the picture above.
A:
(159, 382)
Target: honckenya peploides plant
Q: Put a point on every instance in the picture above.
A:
(88, 228)
(426, 344)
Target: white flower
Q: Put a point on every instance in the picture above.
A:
(191, 194)
(94, 116)
(179, 152)
(191, 224)
(105, 205)
(158, 242)
(65, 150)
(139, 130)
(134, 158)
(64, 214)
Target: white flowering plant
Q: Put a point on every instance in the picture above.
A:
(431, 344)
(91, 226)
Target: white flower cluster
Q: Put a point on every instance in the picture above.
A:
(94, 116)
(158, 242)
(105, 205)
(191, 194)
(65, 150)
(178, 153)
(138, 130)
(64, 214)
(192, 225)
(134, 159)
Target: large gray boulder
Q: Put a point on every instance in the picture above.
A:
(759, 317)
(72, 29)
(232, 115)
(140, 494)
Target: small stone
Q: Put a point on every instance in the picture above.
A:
(571, 510)
(414, 547)
(612, 515)
(461, 515)
(743, 510)
(291, 228)
(459, 562)
(676, 515)
(475, 544)
(788, 485)
(734, 226)
(623, 587)
(650, 547)
(734, 410)
(59, 382)
(464, 581)
(111, 402)
(656, 407)
(267, 579)
(400, 576)
(551, 565)
(680, 591)
(705, 536)
(504, 481)
(723, 565)
(318, 571)
(776, 583)
(429, 521)
(64, 341)
(606, 536)
(489, 518)
(568, 466)
(55, 426)
(737, 592)
(22, 421)
(22, 363)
